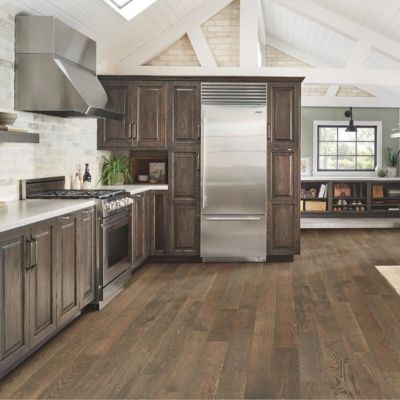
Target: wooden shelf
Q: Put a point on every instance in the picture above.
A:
(18, 137)
(382, 207)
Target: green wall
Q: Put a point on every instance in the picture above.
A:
(388, 116)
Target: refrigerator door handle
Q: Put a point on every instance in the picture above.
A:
(203, 160)
(233, 218)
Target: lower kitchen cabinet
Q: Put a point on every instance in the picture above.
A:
(139, 229)
(157, 228)
(47, 275)
(14, 299)
(184, 229)
(42, 281)
(68, 274)
(87, 248)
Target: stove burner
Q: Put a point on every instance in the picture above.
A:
(76, 194)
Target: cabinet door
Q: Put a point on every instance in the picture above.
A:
(283, 173)
(149, 115)
(69, 273)
(42, 282)
(87, 250)
(184, 234)
(139, 227)
(113, 134)
(14, 290)
(183, 113)
(184, 222)
(158, 217)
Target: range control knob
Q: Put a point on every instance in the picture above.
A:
(108, 206)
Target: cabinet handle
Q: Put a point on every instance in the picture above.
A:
(134, 131)
(130, 130)
(289, 149)
(66, 218)
(33, 252)
(269, 131)
(30, 243)
(198, 161)
(138, 196)
(198, 132)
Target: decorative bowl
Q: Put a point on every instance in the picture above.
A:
(142, 178)
(7, 118)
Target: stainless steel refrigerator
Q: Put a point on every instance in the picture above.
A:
(233, 179)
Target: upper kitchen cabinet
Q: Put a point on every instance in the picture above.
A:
(144, 124)
(183, 113)
(148, 115)
(114, 134)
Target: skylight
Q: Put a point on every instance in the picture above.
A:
(129, 8)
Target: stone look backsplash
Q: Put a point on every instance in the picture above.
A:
(65, 143)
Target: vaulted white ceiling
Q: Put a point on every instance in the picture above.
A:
(351, 42)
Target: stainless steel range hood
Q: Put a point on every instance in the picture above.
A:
(55, 70)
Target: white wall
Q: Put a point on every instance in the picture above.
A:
(64, 143)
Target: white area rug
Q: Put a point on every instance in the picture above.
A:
(392, 275)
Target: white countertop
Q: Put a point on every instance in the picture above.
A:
(25, 212)
(347, 178)
(135, 189)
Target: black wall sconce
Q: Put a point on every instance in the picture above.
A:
(349, 114)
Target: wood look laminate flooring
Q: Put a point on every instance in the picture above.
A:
(324, 326)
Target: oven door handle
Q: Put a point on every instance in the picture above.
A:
(115, 219)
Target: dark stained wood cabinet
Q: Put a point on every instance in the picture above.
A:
(283, 171)
(183, 201)
(144, 124)
(47, 275)
(87, 250)
(114, 134)
(139, 229)
(42, 282)
(148, 115)
(184, 112)
(69, 269)
(14, 298)
(157, 223)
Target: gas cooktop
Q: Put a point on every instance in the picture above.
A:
(76, 194)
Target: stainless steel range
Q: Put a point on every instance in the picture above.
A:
(113, 230)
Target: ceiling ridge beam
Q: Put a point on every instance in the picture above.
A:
(170, 35)
(201, 46)
(344, 26)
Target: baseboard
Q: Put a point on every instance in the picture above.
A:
(173, 259)
(280, 258)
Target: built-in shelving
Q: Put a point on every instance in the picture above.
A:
(18, 137)
(350, 198)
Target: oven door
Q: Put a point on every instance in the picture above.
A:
(115, 247)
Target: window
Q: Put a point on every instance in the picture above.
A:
(336, 150)
(129, 8)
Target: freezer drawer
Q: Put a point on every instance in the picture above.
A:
(235, 237)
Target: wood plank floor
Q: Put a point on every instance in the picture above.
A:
(324, 326)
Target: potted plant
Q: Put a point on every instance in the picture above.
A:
(393, 160)
(115, 171)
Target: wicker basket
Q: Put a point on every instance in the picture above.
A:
(311, 205)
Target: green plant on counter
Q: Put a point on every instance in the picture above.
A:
(393, 158)
(115, 171)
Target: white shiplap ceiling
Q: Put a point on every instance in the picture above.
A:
(339, 35)
(306, 35)
(115, 36)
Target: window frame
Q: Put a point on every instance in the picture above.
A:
(339, 124)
